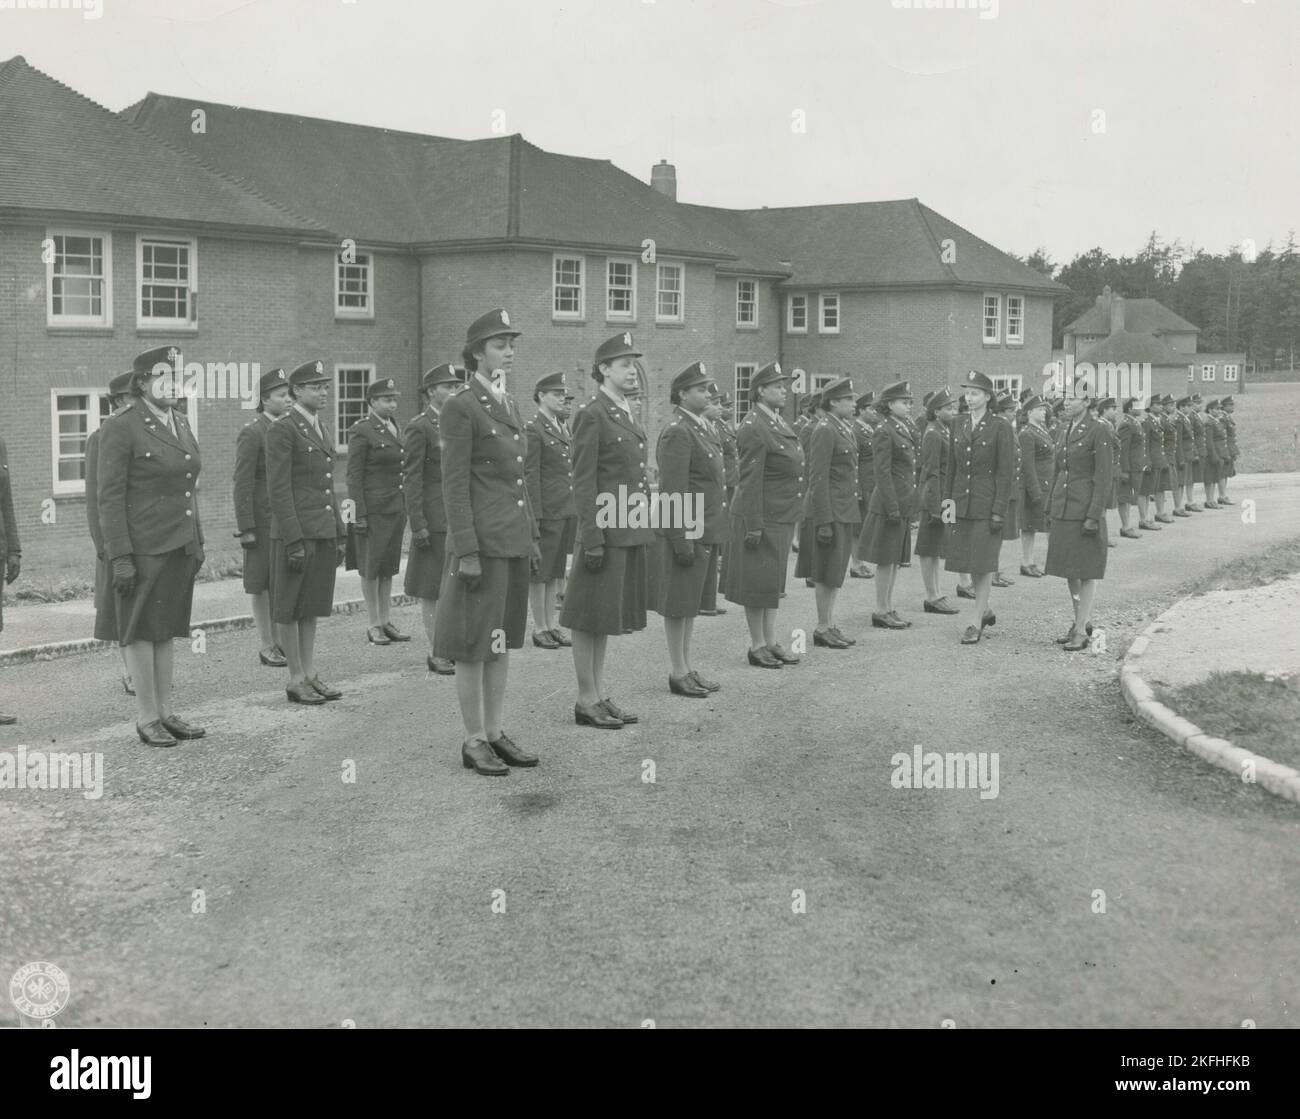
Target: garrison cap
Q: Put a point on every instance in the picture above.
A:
(621, 345)
(838, 389)
(1183, 400)
(491, 325)
(272, 379)
(309, 373)
(977, 380)
(900, 390)
(386, 386)
(694, 374)
(1229, 401)
(769, 374)
(865, 399)
(552, 382)
(444, 374)
(1197, 398)
(939, 399)
(121, 384)
(925, 400)
(148, 362)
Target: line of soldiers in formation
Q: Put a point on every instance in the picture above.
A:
(497, 506)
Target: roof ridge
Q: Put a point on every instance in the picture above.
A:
(812, 206)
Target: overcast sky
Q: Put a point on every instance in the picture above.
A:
(992, 122)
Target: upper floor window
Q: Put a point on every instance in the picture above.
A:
(1015, 320)
(670, 293)
(350, 383)
(829, 319)
(796, 317)
(620, 289)
(992, 318)
(354, 285)
(567, 294)
(74, 414)
(746, 303)
(166, 280)
(78, 278)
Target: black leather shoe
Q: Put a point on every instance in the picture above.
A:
(376, 636)
(964, 591)
(701, 682)
(324, 689)
(861, 573)
(781, 653)
(989, 619)
(1182, 513)
(560, 637)
(154, 734)
(763, 658)
(505, 749)
(441, 666)
(827, 640)
(594, 715)
(614, 710)
(684, 685)
(393, 633)
(272, 659)
(1033, 571)
(543, 640)
(1077, 643)
(841, 635)
(1000, 580)
(1149, 526)
(906, 624)
(478, 756)
(887, 621)
(8, 720)
(1164, 518)
(972, 635)
(940, 605)
(303, 693)
(1130, 534)
(1226, 501)
(180, 728)
(1071, 634)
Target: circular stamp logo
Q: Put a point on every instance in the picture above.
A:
(39, 990)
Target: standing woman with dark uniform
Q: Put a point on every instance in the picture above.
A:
(1036, 481)
(1227, 405)
(491, 543)
(253, 507)
(719, 414)
(1216, 442)
(119, 398)
(147, 491)
(1004, 406)
(548, 469)
(886, 536)
(981, 465)
(1130, 471)
(375, 460)
(863, 431)
(1192, 445)
(607, 590)
(932, 535)
(1076, 547)
(11, 549)
(769, 502)
(422, 487)
(831, 511)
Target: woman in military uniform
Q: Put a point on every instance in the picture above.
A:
(1216, 444)
(886, 535)
(148, 468)
(1036, 480)
(981, 468)
(11, 549)
(1190, 467)
(375, 486)
(725, 437)
(253, 507)
(1209, 458)
(422, 487)
(549, 472)
(1129, 480)
(932, 535)
(831, 510)
(864, 429)
(1076, 546)
(1006, 409)
(769, 502)
(1197, 474)
(608, 588)
(1227, 405)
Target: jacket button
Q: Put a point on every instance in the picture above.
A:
(519, 503)
(189, 513)
(187, 458)
(187, 493)
(519, 458)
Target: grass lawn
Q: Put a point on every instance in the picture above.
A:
(1268, 427)
(1253, 711)
(1255, 570)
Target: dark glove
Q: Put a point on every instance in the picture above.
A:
(1089, 527)
(934, 518)
(995, 523)
(683, 553)
(422, 538)
(825, 534)
(470, 570)
(753, 539)
(593, 559)
(361, 526)
(297, 555)
(13, 565)
(535, 558)
(124, 575)
(248, 539)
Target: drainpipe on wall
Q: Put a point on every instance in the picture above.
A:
(419, 322)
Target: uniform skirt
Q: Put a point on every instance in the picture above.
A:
(469, 624)
(826, 564)
(105, 602)
(158, 608)
(1229, 471)
(1149, 479)
(1209, 472)
(1193, 473)
(611, 600)
(684, 591)
(931, 537)
(972, 547)
(756, 577)
(882, 542)
(379, 548)
(257, 563)
(1072, 555)
(1166, 480)
(1011, 524)
(1033, 516)
(308, 593)
(1125, 490)
(424, 567)
(557, 544)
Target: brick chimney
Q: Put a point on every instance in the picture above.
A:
(663, 177)
(1113, 304)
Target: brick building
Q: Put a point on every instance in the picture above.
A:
(258, 237)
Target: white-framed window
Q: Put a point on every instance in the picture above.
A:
(74, 414)
(350, 383)
(1207, 372)
(1230, 372)
(828, 316)
(568, 294)
(1191, 372)
(670, 293)
(620, 289)
(1011, 383)
(992, 319)
(354, 285)
(1015, 320)
(740, 405)
(78, 278)
(796, 314)
(167, 281)
(746, 303)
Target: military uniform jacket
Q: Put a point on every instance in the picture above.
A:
(9, 543)
(1081, 478)
(252, 500)
(917, 435)
(92, 496)
(1036, 464)
(483, 488)
(981, 466)
(549, 470)
(375, 468)
(422, 474)
(771, 487)
(300, 481)
(893, 456)
(934, 468)
(832, 473)
(146, 486)
(609, 450)
(1186, 439)
(1155, 438)
(1216, 439)
(863, 430)
(690, 462)
(1018, 473)
(1198, 435)
(1230, 424)
(1132, 446)
(730, 458)
(1171, 430)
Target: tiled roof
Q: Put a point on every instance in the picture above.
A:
(61, 152)
(1141, 316)
(1134, 347)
